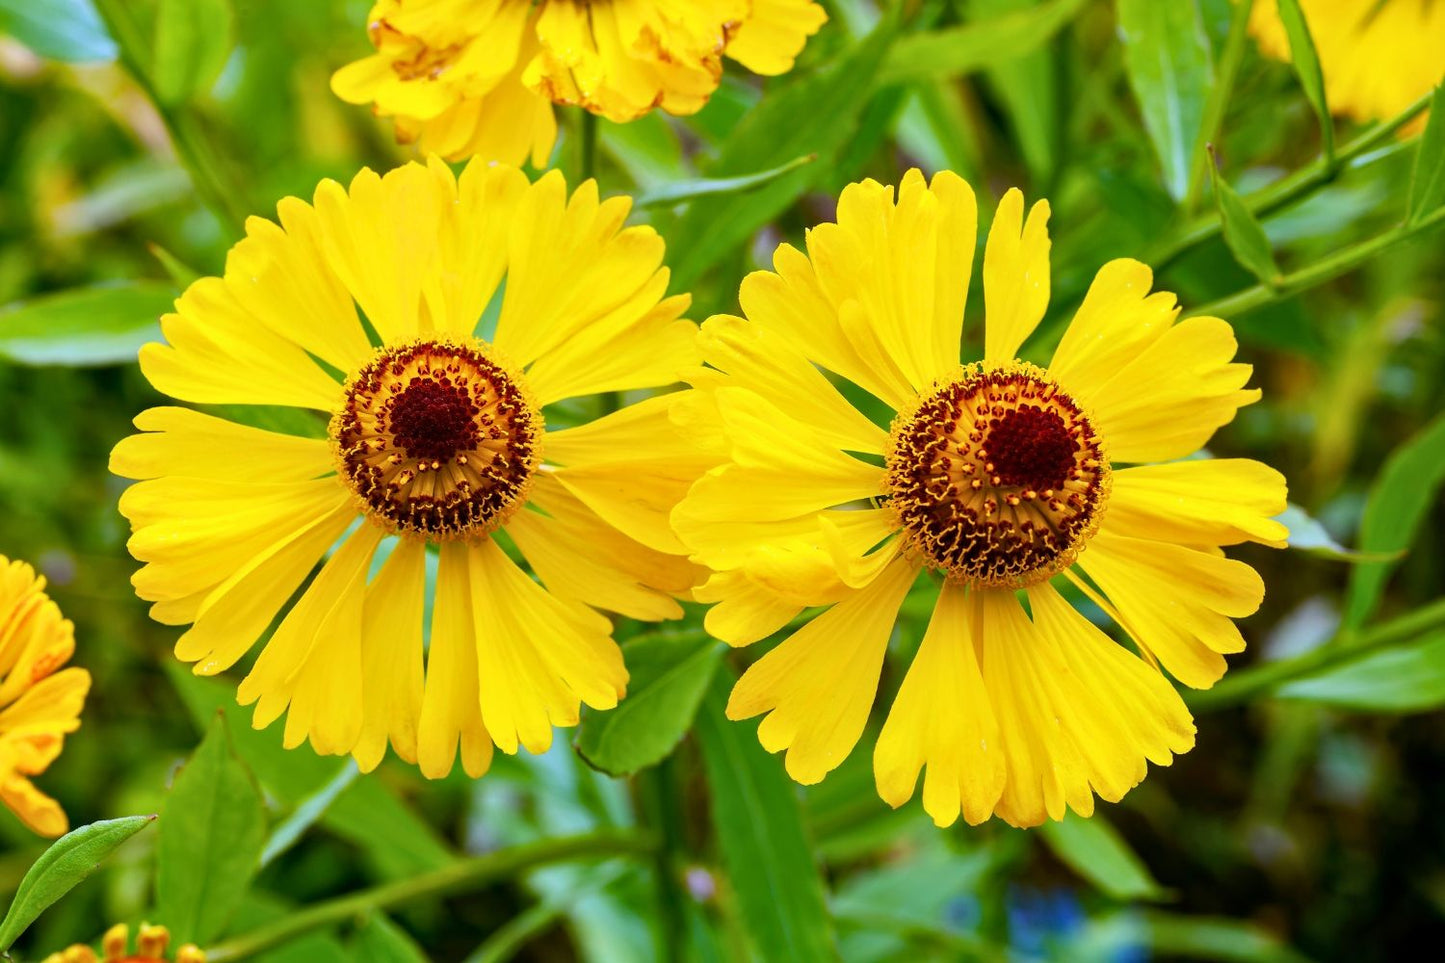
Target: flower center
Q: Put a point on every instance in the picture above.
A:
(437, 439)
(997, 476)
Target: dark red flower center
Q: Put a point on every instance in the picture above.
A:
(433, 420)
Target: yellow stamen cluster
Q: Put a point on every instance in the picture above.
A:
(997, 476)
(437, 439)
(150, 947)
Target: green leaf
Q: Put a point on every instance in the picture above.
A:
(669, 674)
(1095, 850)
(812, 114)
(759, 826)
(311, 809)
(193, 41)
(1166, 53)
(705, 187)
(1306, 534)
(1215, 940)
(396, 840)
(1401, 496)
(70, 859)
(379, 940)
(1027, 87)
(210, 840)
(1403, 678)
(978, 44)
(68, 30)
(1427, 184)
(1307, 66)
(1242, 233)
(100, 325)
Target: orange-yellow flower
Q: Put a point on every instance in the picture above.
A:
(436, 340)
(1009, 483)
(150, 947)
(40, 701)
(480, 77)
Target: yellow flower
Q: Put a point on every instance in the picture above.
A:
(435, 437)
(479, 77)
(38, 704)
(995, 475)
(1378, 56)
(150, 947)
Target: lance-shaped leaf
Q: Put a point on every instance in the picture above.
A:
(1307, 65)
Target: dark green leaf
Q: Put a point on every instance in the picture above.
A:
(1307, 66)
(311, 809)
(978, 44)
(813, 114)
(1242, 232)
(760, 832)
(1402, 494)
(669, 674)
(1027, 87)
(1096, 851)
(381, 941)
(100, 325)
(60, 29)
(705, 187)
(1427, 185)
(210, 840)
(1166, 52)
(1215, 940)
(193, 40)
(1404, 678)
(60, 868)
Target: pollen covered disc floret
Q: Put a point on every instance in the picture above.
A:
(437, 439)
(998, 478)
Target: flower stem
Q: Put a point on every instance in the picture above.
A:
(192, 146)
(1241, 686)
(467, 874)
(1341, 262)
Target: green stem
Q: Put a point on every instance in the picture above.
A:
(1242, 686)
(658, 786)
(1287, 189)
(1218, 100)
(193, 147)
(1341, 262)
(517, 933)
(467, 874)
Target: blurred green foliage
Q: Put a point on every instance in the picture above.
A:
(134, 135)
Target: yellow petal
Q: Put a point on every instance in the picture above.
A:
(745, 611)
(942, 722)
(451, 710)
(1118, 319)
(35, 809)
(391, 656)
(1207, 501)
(1176, 602)
(759, 359)
(773, 35)
(179, 441)
(818, 685)
(538, 657)
(1169, 398)
(1015, 276)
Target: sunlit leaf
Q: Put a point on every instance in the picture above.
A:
(707, 187)
(101, 325)
(60, 29)
(1215, 940)
(211, 834)
(1307, 65)
(1307, 534)
(1166, 52)
(977, 44)
(1427, 185)
(192, 42)
(668, 676)
(759, 828)
(1401, 496)
(1095, 850)
(1403, 678)
(70, 859)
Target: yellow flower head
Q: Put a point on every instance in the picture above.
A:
(1378, 56)
(39, 700)
(150, 947)
(479, 77)
(996, 476)
(434, 436)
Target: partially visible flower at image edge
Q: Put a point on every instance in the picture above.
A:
(480, 77)
(1007, 481)
(444, 435)
(1377, 57)
(40, 702)
(152, 943)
